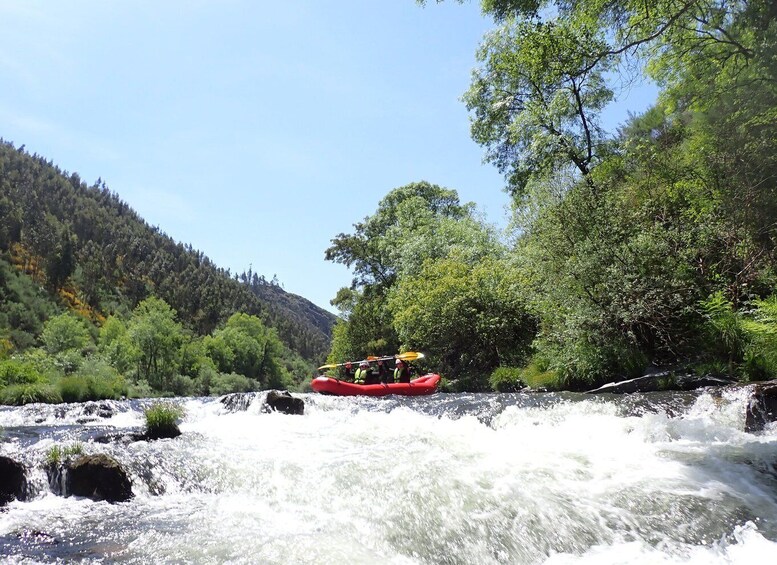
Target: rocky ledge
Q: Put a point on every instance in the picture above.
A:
(99, 476)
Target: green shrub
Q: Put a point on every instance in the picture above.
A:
(77, 388)
(714, 367)
(758, 366)
(141, 389)
(585, 363)
(95, 380)
(68, 362)
(15, 371)
(162, 417)
(42, 362)
(506, 379)
(537, 376)
(74, 389)
(725, 333)
(760, 356)
(225, 383)
(181, 385)
(205, 377)
(20, 394)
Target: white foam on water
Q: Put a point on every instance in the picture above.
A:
(365, 481)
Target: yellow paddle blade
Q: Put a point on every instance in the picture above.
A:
(322, 367)
(410, 356)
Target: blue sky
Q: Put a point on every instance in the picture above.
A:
(255, 131)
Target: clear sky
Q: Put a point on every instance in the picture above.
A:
(256, 131)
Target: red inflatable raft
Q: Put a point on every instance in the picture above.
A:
(417, 387)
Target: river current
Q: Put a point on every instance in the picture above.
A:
(451, 478)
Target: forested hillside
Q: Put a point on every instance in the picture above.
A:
(69, 247)
(652, 246)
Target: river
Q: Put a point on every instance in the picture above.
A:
(451, 478)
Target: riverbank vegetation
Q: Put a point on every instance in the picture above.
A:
(148, 353)
(652, 246)
(95, 303)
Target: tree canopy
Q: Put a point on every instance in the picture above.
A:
(650, 245)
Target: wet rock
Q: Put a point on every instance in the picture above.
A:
(13, 480)
(86, 420)
(162, 431)
(237, 401)
(662, 380)
(761, 407)
(124, 438)
(98, 477)
(99, 409)
(167, 431)
(283, 401)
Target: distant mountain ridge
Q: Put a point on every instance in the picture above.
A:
(92, 251)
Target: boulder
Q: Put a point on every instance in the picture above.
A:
(761, 407)
(99, 409)
(125, 438)
(98, 477)
(237, 401)
(13, 480)
(167, 431)
(283, 401)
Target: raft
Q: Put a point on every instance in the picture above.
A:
(417, 387)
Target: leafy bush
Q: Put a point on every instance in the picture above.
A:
(74, 389)
(161, 418)
(586, 363)
(181, 385)
(205, 377)
(64, 332)
(723, 329)
(42, 362)
(141, 389)
(68, 362)
(20, 394)
(78, 388)
(760, 357)
(714, 367)
(15, 371)
(538, 376)
(506, 379)
(225, 383)
(95, 380)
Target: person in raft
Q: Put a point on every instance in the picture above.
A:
(383, 374)
(362, 374)
(348, 372)
(402, 372)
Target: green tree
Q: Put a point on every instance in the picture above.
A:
(64, 332)
(114, 345)
(469, 318)
(156, 338)
(536, 99)
(247, 347)
(413, 223)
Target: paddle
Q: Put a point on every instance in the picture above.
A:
(407, 356)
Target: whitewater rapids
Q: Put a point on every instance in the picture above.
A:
(659, 478)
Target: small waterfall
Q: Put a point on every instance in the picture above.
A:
(57, 478)
(238, 401)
